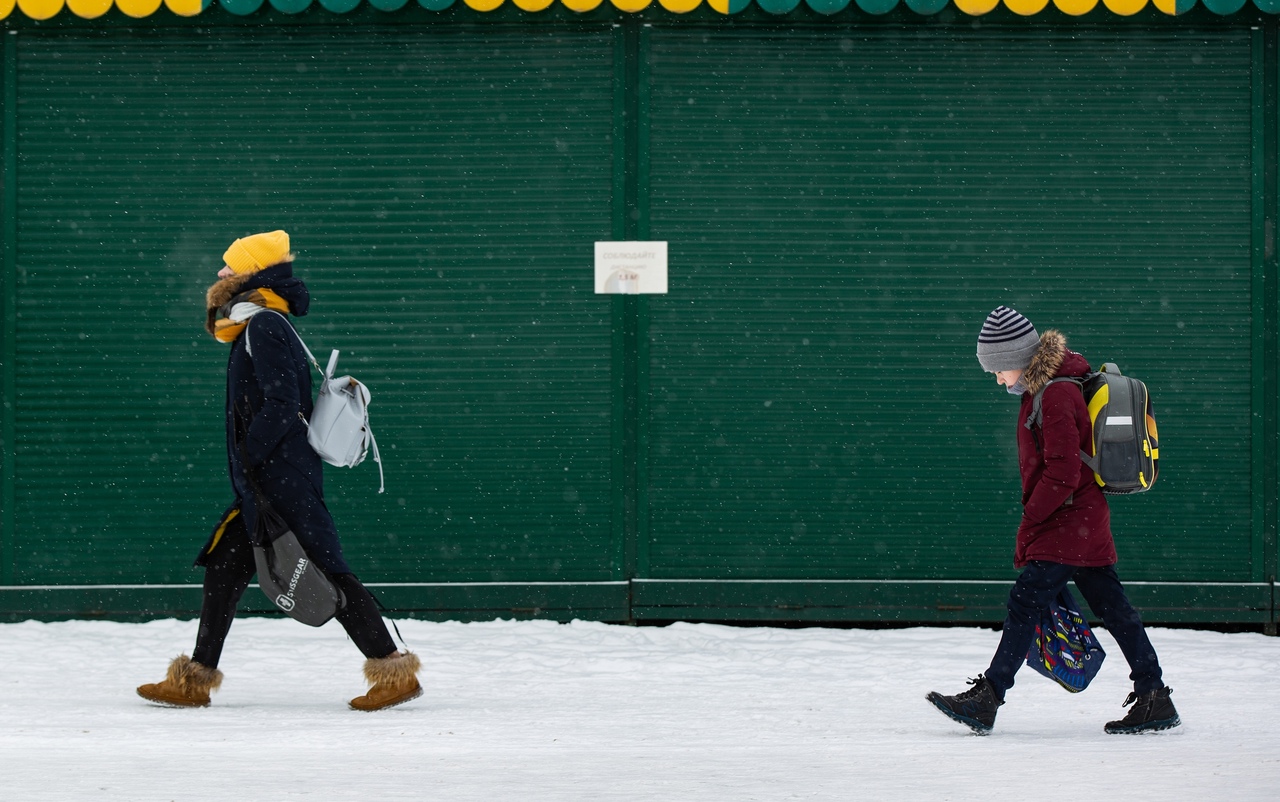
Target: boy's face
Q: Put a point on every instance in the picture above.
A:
(226, 272)
(1008, 378)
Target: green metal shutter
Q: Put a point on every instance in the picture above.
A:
(844, 207)
(442, 187)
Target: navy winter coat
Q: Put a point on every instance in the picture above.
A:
(268, 396)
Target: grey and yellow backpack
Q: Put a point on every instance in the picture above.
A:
(1126, 445)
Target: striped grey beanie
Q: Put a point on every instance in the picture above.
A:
(1007, 341)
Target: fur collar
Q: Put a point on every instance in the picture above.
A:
(217, 296)
(1047, 361)
(277, 278)
(224, 290)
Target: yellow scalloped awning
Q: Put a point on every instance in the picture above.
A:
(91, 9)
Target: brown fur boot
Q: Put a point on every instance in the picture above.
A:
(187, 684)
(394, 680)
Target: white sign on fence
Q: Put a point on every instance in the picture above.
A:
(631, 268)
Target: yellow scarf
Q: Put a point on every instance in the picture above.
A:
(226, 330)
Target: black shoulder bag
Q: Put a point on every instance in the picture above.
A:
(291, 580)
(286, 574)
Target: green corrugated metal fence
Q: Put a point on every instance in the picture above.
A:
(797, 431)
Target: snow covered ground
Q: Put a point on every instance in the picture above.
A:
(541, 711)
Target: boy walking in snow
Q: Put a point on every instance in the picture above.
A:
(1065, 533)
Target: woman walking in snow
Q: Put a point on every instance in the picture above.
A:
(268, 394)
(1065, 532)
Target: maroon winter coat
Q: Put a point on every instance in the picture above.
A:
(1065, 518)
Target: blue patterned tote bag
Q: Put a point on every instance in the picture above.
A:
(1065, 649)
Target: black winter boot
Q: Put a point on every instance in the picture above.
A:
(1150, 712)
(974, 708)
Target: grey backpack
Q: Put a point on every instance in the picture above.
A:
(338, 430)
(1126, 445)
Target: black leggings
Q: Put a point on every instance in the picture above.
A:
(229, 569)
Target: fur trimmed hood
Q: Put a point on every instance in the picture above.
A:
(219, 295)
(227, 288)
(277, 278)
(1052, 359)
(1047, 361)
(222, 291)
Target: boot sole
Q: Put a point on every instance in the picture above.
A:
(977, 726)
(172, 705)
(1150, 726)
(408, 698)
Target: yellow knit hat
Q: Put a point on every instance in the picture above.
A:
(253, 253)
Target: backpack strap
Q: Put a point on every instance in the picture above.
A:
(1037, 401)
(1036, 417)
(327, 374)
(248, 344)
(382, 482)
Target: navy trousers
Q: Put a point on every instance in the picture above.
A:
(1040, 584)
